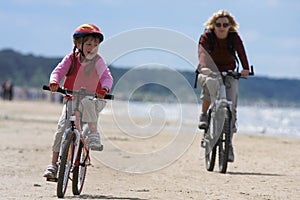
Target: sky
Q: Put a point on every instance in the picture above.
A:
(269, 29)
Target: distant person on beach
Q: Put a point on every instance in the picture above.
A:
(217, 47)
(84, 67)
(7, 90)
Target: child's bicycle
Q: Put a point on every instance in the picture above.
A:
(217, 136)
(74, 153)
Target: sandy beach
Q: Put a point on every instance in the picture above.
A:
(265, 167)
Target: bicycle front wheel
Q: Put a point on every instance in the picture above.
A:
(65, 165)
(210, 145)
(79, 171)
(210, 158)
(224, 142)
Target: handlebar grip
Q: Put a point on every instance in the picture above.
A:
(46, 87)
(60, 90)
(251, 73)
(196, 78)
(109, 96)
(63, 91)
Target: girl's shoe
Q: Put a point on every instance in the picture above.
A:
(51, 171)
(203, 123)
(93, 142)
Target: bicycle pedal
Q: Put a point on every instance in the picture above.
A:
(97, 148)
(203, 127)
(202, 144)
(51, 179)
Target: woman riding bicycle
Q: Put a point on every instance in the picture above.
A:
(216, 52)
(84, 67)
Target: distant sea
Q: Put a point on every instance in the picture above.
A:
(276, 121)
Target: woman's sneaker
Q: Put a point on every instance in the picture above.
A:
(51, 171)
(93, 142)
(230, 154)
(203, 122)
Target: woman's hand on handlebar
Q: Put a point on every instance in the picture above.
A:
(206, 71)
(245, 73)
(53, 86)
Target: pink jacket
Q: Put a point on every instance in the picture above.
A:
(98, 77)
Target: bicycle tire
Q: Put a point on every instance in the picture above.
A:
(210, 158)
(65, 165)
(210, 146)
(79, 171)
(223, 143)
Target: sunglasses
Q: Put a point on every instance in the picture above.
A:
(225, 25)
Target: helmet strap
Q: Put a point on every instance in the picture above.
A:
(81, 52)
(82, 43)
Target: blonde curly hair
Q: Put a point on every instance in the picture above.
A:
(219, 14)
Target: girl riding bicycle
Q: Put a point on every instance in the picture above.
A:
(83, 68)
(217, 47)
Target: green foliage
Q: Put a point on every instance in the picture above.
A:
(34, 71)
(25, 70)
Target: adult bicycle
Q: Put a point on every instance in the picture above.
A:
(74, 155)
(218, 133)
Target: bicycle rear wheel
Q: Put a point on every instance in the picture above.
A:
(79, 171)
(224, 141)
(65, 165)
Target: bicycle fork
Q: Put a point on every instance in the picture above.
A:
(217, 114)
(75, 134)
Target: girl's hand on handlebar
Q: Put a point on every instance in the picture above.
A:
(53, 86)
(245, 73)
(101, 93)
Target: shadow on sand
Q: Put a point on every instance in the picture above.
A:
(254, 174)
(87, 196)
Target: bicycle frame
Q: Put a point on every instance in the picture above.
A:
(218, 134)
(219, 117)
(217, 110)
(74, 153)
(75, 127)
(78, 136)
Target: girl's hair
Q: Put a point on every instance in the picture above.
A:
(81, 40)
(220, 14)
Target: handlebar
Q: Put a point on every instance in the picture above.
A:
(251, 73)
(234, 74)
(76, 92)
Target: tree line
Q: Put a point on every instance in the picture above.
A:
(33, 71)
